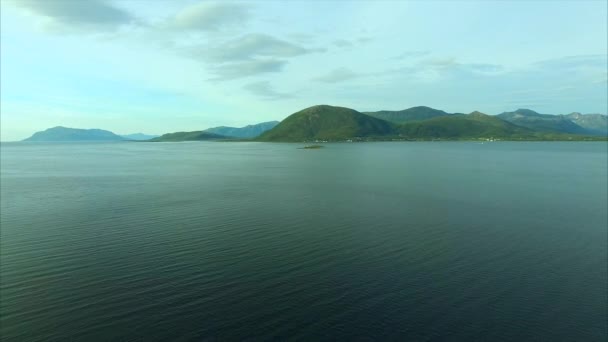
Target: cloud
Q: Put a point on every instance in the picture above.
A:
(364, 40)
(90, 13)
(575, 62)
(251, 46)
(343, 43)
(229, 71)
(349, 43)
(247, 55)
(337, 75)
(431, 70)
(451, 65)
(265, 90)
(303, 37)
(589, 69)
(205, 16)
(483, 68)
(412, 54)
(440, 63)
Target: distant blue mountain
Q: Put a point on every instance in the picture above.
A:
(594, 123)
(250, 131)
(139, 136)
(574, 123)
(60, 133)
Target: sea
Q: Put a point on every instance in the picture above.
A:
(235, 241)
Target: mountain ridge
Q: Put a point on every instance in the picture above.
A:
(556, 123)
(333, 123)
(139, 136)
(417, 113)
(66, 134)
(249, 131)
(188, 136)
(464, 126)
(329, 123)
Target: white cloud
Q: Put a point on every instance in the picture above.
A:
(338, 75)
(247, 68)
(265, 90)
(412, 54)
(251, 46)
(247, 55)
(343, 43)
(210, 16)
(97, 14)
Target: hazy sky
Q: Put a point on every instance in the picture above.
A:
(163, 66)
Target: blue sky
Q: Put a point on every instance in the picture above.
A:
(160, 66)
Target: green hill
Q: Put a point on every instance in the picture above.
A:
(329, 123)
(188, 136)
(408, 115)
(463, 126)
(60, 133)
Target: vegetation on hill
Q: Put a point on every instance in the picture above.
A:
(328, 123)
(60, 133)
(188, 136)
(408, 115)
(461, 126)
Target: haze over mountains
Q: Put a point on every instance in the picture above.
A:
(249, 131)
(595, 123)
(139, 136)
(575, 123)
(61, 133)
(331, 123)
(217, 133)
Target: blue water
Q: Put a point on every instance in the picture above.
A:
(429, 241)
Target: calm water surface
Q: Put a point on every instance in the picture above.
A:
(226, 241)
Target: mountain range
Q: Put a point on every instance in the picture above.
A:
(188, 136)
(249, 131)
(575, 123)
(407, 115)
(331, 123)
(219, 133)
(464, 126)
(595, 123)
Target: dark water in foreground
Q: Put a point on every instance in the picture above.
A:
(225, 241)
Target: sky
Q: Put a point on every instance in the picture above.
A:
(166, 66)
